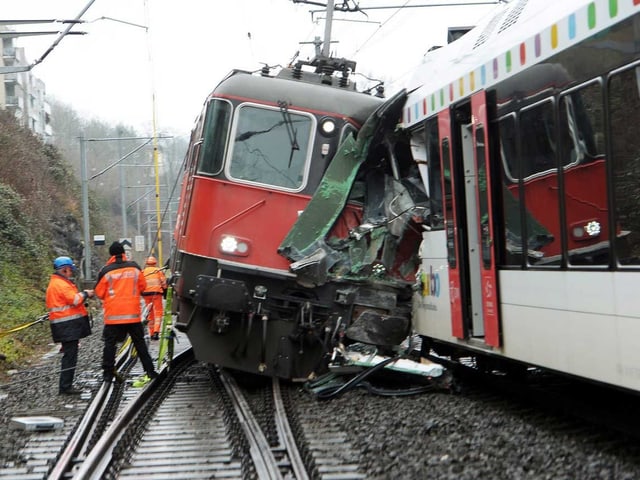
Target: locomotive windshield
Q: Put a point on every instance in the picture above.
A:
(270, 147)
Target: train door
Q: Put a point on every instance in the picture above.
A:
(456, 293)
(483, 216)
(473, 274)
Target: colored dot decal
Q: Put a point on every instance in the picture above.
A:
(591, 16)
(572, 26)
(554, 36)
(497, 68)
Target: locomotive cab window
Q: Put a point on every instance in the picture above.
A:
(271, 147)
(215, 132)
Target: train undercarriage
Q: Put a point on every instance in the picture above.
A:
(272, 326)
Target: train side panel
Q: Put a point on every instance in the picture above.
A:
(566, 227)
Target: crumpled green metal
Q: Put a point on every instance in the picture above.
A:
(307, 236)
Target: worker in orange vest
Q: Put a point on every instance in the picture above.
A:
(119, 285)
(68, 319)
(153, 294)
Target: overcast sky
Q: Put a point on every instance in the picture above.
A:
(193, 44)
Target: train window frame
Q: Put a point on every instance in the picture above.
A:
(346, 129)
(619, 248)
(582, 158)
(434, 168)
(580, 88)
(552, 102)
(219, 162)
(313, 129)
(448, 209)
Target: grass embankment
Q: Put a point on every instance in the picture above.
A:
(21, 302)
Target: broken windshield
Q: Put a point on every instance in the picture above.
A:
(262, 147)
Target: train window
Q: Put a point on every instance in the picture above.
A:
(537, 127)
(512, 234)
(448, 205)
(214, 133)
(271, 147)
(538, 141)
(483, 198)
(624, 105)
(585, 175)
(434, 164)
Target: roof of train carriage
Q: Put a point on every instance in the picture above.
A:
(325, 99)
(514, 37)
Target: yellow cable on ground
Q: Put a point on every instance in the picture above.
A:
(25, 325)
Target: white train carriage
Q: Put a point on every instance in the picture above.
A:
(525, 131)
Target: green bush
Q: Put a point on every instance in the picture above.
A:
(20, 303)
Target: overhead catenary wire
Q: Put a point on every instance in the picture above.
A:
(380, 27)
(166, 209)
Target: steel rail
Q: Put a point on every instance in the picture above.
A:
(286, 435)
(78, 442)
(98, 459)
(74, 447)
(259, 448)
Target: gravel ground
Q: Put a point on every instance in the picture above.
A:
(33, 391)
(463, 437)
(428, 436)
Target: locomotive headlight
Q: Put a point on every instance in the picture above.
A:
(592, 228)
(586, 230)
(328, 126)
(233, 245)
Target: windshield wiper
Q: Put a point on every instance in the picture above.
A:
(284, 109)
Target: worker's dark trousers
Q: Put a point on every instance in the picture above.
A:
(117, 333)
(68, 364)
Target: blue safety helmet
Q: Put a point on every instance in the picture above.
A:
(60, 262)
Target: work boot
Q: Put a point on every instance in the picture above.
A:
(155, 336)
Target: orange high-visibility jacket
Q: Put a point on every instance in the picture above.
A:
(68, 316)
(156, 281)
(119, 286)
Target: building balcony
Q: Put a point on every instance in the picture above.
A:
(9, 52)
(11, 78)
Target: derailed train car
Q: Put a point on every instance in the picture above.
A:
(524, 131)
(295, 231)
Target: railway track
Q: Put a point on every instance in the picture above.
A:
(199, 423)
(194, 421)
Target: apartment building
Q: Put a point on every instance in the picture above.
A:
(21, 92)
